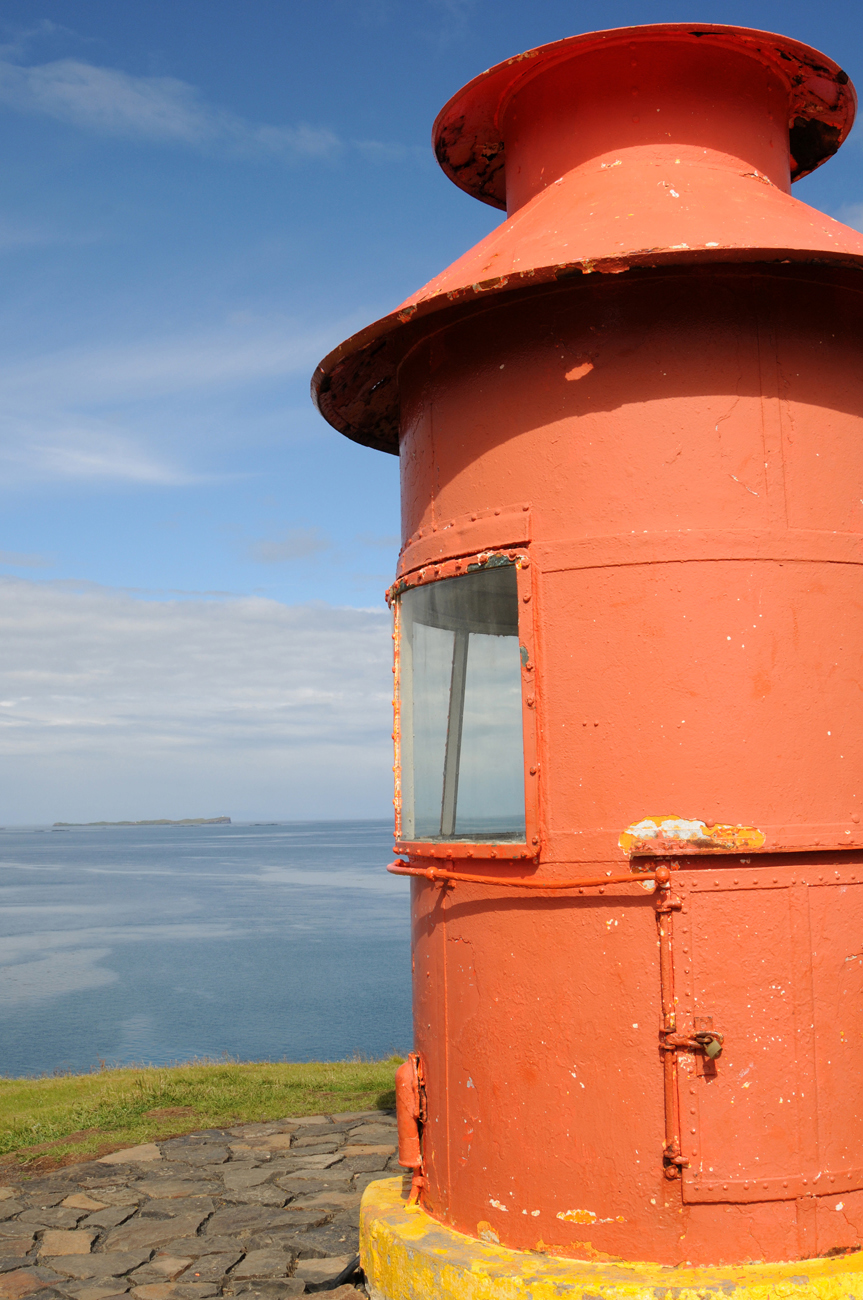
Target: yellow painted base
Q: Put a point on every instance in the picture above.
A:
(408, 1256)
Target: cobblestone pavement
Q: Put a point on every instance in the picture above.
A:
(261, 1210)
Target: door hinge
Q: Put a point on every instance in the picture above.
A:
(411, 1113)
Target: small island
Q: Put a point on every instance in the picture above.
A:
(162, 821)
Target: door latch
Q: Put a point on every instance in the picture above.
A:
(706, 1043)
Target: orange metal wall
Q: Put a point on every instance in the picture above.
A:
(714, 119)
(690, 446)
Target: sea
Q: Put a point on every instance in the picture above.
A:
(282, 941)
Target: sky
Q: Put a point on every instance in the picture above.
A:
(200, 198)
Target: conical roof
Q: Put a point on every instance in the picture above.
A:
(673, 182)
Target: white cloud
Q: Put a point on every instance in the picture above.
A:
(25, 560)
(166, 110)
(113, 707)
(162, 109)
(59, 416)
(293, 544)
(77, 449)
(170, 364)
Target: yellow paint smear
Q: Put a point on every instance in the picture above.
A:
(413, 1257)
(669, 833)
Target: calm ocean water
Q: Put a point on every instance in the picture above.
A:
(160, 944)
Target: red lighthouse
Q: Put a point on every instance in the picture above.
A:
(629, 725)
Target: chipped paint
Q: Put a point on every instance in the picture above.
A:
(586, 1216)
(672, 834)
(577, 1216)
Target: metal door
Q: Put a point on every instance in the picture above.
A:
(776, 962)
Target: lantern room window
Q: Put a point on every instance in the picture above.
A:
(461, 743)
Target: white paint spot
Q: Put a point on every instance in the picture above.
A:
(497, 1205)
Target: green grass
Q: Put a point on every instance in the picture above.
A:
(53, 1120)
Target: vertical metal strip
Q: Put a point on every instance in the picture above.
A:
(455, 720)
(804, 1067)
(666, 905)
(403, 730)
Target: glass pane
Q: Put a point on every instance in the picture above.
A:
(432, 664)
(462, 761)
(491, 772)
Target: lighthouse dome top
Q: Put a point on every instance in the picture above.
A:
(641, 148)
(469, 134)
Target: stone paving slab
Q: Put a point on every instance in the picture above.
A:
(256, 1211)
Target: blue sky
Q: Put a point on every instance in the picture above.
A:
(199, 199)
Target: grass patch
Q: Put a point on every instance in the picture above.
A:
(53, 1121)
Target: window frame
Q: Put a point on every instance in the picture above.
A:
(529, 848)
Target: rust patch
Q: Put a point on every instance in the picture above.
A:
(673, 834)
